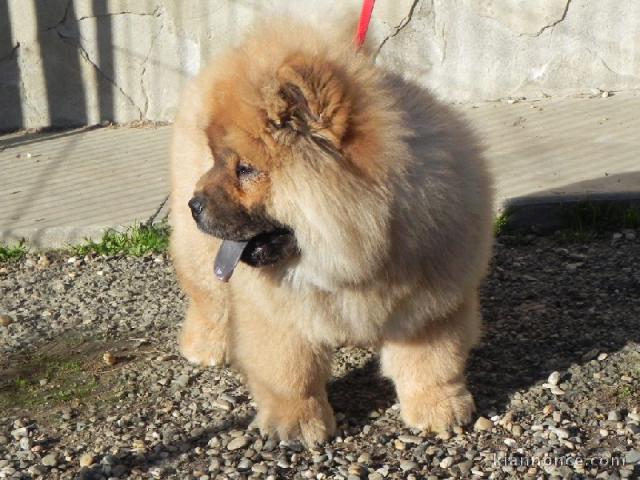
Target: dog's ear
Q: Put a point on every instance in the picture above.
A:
(309, 97)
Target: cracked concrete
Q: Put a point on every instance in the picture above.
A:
(553, 24)
(128, 60)
(398, 28)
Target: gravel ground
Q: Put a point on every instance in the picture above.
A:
(92, 386)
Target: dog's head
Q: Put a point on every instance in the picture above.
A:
(296, 169)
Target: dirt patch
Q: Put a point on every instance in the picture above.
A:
(67, 371)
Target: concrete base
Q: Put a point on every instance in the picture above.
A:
(61, 187)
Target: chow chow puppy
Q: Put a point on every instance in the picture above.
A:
(339, 205)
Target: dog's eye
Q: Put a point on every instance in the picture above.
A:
(244, 170)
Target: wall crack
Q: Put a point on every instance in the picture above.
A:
(551, 25)
(143, 89)
(12, 54)
(155, 13)
(398, 28)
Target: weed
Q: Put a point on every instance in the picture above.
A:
(137, 240)
(13, 252)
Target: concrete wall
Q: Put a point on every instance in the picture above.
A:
(70, 62)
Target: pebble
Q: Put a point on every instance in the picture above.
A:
(109, 358)
(50, 460)
(259, 468)
(517, 431)
(561, 433)
(510, 442)
(5, 320)
(409, 465)
(446, 462)
(237, 443)
(554, 378)
(86, 459)
(18, 433)
(413, 439)
(631, 457)
(482, 424)
(614, 416)
(222, 404)
(182, 380)
(244, 464)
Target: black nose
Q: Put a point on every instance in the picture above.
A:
(196, 204)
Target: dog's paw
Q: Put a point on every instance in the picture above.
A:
(204, 351)
(310, 420)
(439, 408)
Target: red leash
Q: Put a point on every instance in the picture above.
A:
(363, 24)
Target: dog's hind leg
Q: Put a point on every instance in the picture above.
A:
(428, 370)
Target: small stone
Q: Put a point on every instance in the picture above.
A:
(557, 391)
(510, 442)
(357, 470)
(446, 462)
(482, 424)
(25, 443)
(409, 465)
(614, 416)
(5, 320)
(3, 440)
(259, 468)
(222, 404)
(633, 429)
(399, 445)
(109, 358)
(18, 433)
(375, 476)
(50, 460)
(548, 409)
(282, 463)
(554, 378)
(410, 439)
(86, 460)
(561, 433)
(631, 457)
(363, 458)
(603, 432)
(244, 464)
(465, 466)
(602, 356)
(237, 443)
(517, 431)
(182, 380)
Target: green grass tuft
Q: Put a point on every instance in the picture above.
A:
(13, 252)
(596, 217)
(500, 224)
(138, 241)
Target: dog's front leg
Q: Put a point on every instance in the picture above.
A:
(287, 376)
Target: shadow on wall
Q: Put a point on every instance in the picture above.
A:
(60, 63)
(10, 104)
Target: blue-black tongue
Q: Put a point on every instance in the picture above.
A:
(227, 259)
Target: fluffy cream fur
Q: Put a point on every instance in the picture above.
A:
(393, 246)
